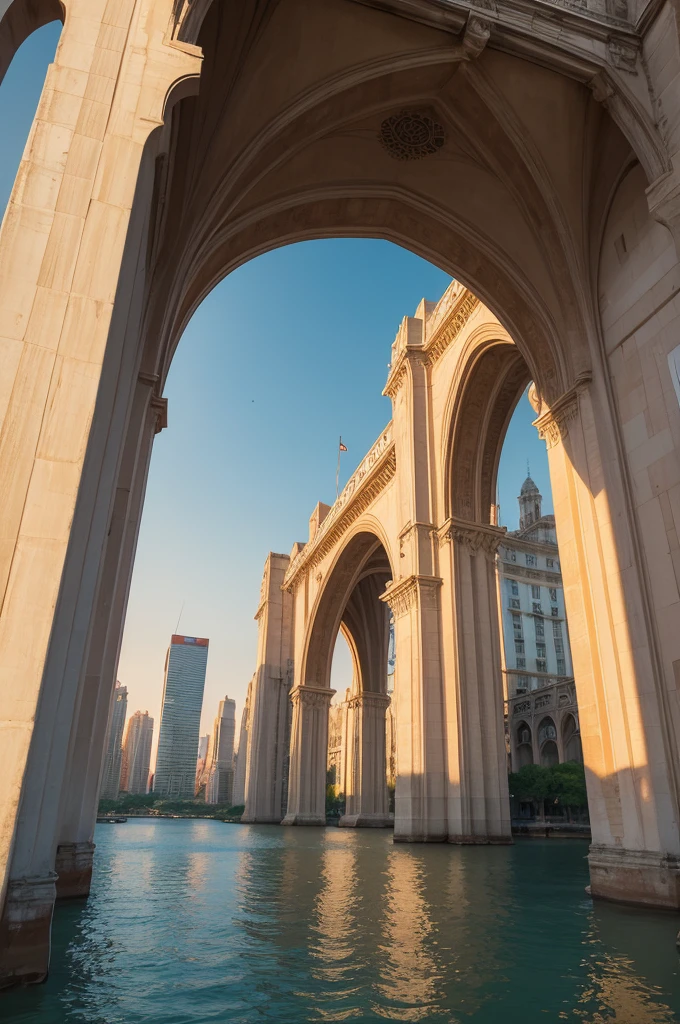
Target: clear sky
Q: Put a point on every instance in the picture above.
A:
(289, 352)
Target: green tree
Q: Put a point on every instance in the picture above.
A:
(569, 786)
(533, 782)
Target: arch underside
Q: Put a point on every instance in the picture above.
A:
(295, 152)
(18, 20)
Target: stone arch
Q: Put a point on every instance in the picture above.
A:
(21, 18)
(525, 750)
(571, 739)
(547, 742)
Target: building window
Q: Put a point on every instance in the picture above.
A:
(557, 629)
(530, 559)
(519, 646)
(540, 650)
(554, 610)
(536, 606)
(514, 602)
(510, 555)
(540, 665)
(561, 667)
(522, 682)
(514, 588)
(559, 647)
(521, 663)
(517, 625)
(550, 563)
(536, 592)
(539, 627)
(553, 594)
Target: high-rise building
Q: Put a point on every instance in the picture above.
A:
(201, 770)
(134, 776)
(185, 666)
(220, 785)
(113, 750)
(241, 757)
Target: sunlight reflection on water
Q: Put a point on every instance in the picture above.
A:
(202, 921)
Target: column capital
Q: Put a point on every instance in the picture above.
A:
(159, 408)
(405, 593)
(553, 424)
(475, 536)
(369, 699)
(312, 696)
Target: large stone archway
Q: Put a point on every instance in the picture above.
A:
(177, 140)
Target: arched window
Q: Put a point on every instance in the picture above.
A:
(571, 740)
(525, 753)
(547, 741)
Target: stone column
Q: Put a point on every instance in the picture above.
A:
(81, 792)
(420, 795)
(366, 795)
(625, 711)
(308, 756)
(268, 736)
(478, 800)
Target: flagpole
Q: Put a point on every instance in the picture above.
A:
(337, 472)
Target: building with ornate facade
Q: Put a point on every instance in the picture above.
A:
(542, 719)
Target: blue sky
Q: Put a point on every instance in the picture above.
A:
(289, 352)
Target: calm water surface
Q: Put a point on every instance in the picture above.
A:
(193, 921)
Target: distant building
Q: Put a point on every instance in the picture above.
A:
(134, 777)
(201, 767)
(113, 751)
(185, 666)
(542, 714)
(219, 788)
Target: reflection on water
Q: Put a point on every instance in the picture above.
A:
(202, 921)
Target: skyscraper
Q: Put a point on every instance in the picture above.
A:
(185, 666)
(220, 785)
(113, 747)
(134, 776)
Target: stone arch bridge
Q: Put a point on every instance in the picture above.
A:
(531, 150)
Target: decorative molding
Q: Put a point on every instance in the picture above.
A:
(553, 425)
(372, 475)
(312, 696)
(476, 35)
(412, 134)
(475, 536)
(395, 377)
(451, 327)
(624, 53)
(405, 594)
(368, 699)
(159, 407)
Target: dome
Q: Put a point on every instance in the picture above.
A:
(529, 487)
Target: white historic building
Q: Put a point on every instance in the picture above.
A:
(543, 727)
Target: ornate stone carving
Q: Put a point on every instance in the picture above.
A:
(368, 699)
(406, 593)
(623, 54)
(451, 327)
(523, 708)
(411, 135)
(312, 696)
(395, 379)
(372, 474)
(544, 701)
(475, 536)
(476, 35)
(159, 406)
(553, 425)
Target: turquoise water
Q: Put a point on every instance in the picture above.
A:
(200, 921)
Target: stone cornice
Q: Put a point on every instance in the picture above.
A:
(475, 536)
(405, 594)
(553, 425)
(449, 330)
(510, 570)
(371, 476)
(369, 699)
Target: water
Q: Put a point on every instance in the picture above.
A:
(200, 921)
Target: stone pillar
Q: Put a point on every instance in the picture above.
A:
(478, 800)
(268, 735)
(366, 794)
(625, 712)
(308, 756)
(420, 795)
(81, 790)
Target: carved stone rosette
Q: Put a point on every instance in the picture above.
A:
(407, 593)
(475, 536)
(553, 425)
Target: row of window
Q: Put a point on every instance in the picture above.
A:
(531, 560)
(539, 627)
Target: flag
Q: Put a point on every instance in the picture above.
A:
(343, 447)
